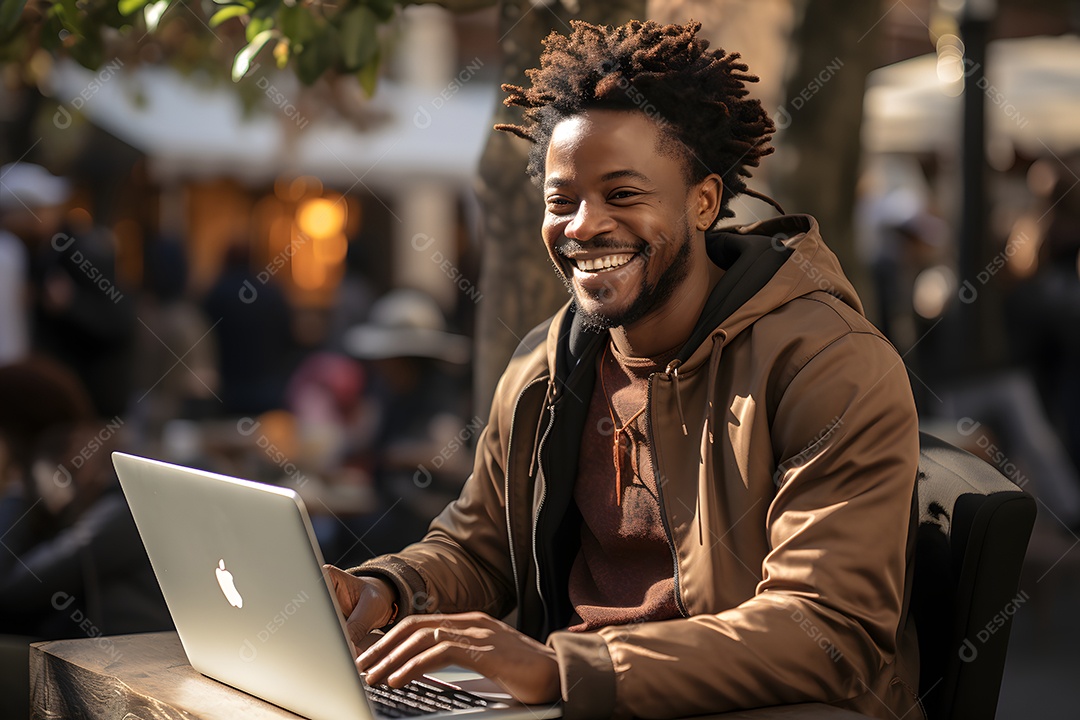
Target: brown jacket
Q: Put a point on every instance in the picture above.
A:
(787, 501)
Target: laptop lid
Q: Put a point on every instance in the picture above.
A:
(242, 576)
(241, 573)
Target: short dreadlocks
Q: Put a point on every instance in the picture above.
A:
(698, 96)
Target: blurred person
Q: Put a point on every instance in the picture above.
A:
(79, 315)
(82, 317)
(703, 382)
(1045, 316)
(176, 369)
(353, 298)
(333, 423)
(420, 398)
(64, 520)
(986, 397)
(251, 325)
(324, 395)
(73, 565)
(898, 237)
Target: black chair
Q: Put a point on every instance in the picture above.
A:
(974, 526)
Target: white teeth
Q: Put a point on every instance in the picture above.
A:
(607, 262)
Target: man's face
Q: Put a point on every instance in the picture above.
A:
(618, 216)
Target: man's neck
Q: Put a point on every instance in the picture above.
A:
(670, 326)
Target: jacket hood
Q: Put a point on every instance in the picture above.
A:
(766, 265)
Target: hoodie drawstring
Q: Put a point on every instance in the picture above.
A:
(714, 367)
(672, 371)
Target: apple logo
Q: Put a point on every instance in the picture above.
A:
(228, 587)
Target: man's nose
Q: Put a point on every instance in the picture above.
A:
(590, 220)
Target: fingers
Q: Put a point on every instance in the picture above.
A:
(426, 651)
(525, 668)
(416, 636)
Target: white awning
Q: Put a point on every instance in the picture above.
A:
(1032, 88)
(195, 129)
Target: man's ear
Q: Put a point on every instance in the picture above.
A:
(709, 195)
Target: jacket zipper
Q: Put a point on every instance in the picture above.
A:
(540, 505)
(660, 496)
(506, 486)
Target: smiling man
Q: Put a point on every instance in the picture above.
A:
(695, 487)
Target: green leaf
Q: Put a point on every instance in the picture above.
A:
(50, 35)
(154, 12)
(130, 7)
(318, 55)
(297, 24)
(369, 76)
(68, 12)
(383, 9)
(265, 8)
(359, 37)
(89, 52)
(242, 63)
(227, 13)
(256, 26)
(10, 13)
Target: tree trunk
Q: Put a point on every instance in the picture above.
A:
(817, 163)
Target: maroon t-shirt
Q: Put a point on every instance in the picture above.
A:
(624, 571)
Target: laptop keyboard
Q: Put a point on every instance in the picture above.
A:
(420, 698)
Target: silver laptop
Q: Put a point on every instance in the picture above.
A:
(242, 575)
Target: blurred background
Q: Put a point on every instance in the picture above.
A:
(281, 241)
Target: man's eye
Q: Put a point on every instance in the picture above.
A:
(623, 195)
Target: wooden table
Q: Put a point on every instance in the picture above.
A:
(144, 677)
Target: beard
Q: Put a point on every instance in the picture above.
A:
(649, 297)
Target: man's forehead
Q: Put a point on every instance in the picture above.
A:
(630, 123)
(620, 144)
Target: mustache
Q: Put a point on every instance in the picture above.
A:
(568, 247)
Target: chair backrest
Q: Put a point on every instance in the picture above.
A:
(974, 526)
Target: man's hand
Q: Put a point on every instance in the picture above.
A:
(367, 602)
(420, 644)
